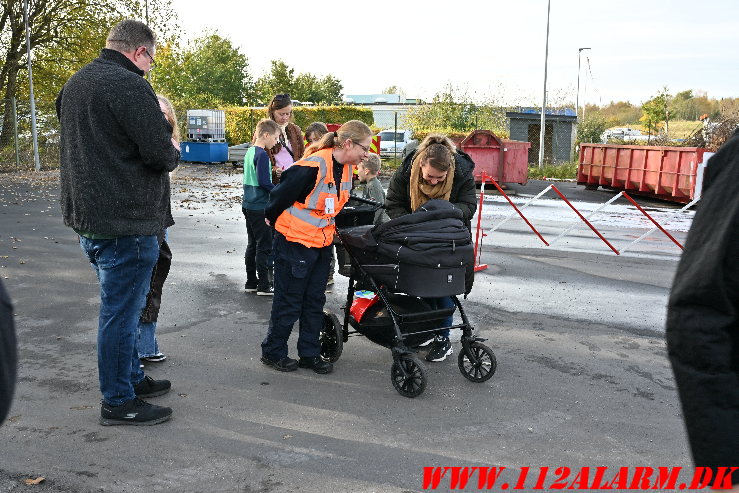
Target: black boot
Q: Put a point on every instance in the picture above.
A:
(317, 364)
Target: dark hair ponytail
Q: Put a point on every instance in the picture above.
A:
(437, 150)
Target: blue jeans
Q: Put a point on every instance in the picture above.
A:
(300, 294)
(438, 303)
(123, 266)
(147, 344)
(146, 341)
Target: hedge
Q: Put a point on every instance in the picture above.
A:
(455, 135)
(240, 121)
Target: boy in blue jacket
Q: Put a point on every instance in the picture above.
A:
(257, 185)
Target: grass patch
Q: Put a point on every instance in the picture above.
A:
(564, 171)
(679, 129)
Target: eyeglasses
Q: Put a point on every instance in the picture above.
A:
(282, 96)
(364, 148)
(153, 63)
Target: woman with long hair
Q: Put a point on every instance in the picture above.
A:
(302, 209)
(435, 170)
(290, 146)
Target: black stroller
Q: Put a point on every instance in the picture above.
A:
(427, 254)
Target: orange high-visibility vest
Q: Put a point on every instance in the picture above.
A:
(307, 222)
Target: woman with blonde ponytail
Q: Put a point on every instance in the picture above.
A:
(302, 209)
(435, 170)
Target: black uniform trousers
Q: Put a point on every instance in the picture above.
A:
(300, 276)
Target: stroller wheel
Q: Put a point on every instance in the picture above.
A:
(331, 338)
(479, 364)
(408, 376)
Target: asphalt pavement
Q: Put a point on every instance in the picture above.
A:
(582, 376)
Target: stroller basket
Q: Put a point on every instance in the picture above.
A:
(414, 315)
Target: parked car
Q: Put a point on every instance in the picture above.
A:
(393, 142)
(623, 133)
(237, 152)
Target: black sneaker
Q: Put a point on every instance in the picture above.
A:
(317, 364)
(268, 291)
(285, 364)
(250, 287)
(134, 412)
(148, 387)
(440, 349)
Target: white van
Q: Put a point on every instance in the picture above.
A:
(392, 142)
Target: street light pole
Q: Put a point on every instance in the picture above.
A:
(544, 99)
(577, 96)
(34, 134)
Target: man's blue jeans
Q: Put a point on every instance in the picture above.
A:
(123, 266)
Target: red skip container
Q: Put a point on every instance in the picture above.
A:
(665, 172)
(488, 151)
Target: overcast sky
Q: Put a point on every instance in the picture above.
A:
(492, 49)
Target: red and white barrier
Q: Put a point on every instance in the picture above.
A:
(480, 233)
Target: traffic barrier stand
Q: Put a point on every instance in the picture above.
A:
(509, 216)
(584, 219)
(697, 196)
(480, 234)
(550, 187)
(492, 180)
(656, 224)
(592, 213)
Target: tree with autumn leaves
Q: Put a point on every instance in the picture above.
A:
(209, 72)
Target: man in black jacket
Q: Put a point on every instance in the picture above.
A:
(8, 354)
(116, 154)
(703, 319)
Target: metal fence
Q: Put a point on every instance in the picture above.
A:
(16, 142)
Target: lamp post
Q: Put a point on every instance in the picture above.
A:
(34, 134)
(577, 96)
(544, 98)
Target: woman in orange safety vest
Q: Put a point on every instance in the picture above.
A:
(302, 209)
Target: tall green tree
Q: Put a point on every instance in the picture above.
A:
(302, 87)
(64, 35)
(655, 112)
(279, 80)
(213, 72)
(52, 23)
(452, 110)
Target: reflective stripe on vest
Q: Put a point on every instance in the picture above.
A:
(303, 222)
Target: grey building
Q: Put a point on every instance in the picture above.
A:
(559, 133)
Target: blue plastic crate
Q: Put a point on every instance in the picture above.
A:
(204, 152)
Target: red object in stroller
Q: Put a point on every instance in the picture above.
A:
(403, 261)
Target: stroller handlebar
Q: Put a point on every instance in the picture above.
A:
(378, 205)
